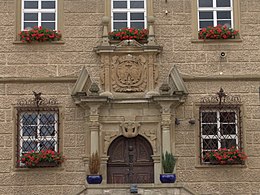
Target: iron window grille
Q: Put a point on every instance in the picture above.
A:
(128, 13)
(220, 123)
(214, 12)
(39, 13)
(37, 125)
(38, 129)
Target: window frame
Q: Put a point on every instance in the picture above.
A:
(215, 9)
(195, 21)
(59, 17)
(37, 138)
(218, 109)
(128, 11)
(39, 11)
(108, 6)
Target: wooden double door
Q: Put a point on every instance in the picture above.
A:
(130, 161)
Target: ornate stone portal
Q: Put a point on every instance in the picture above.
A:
(128, 67)
(126, 102)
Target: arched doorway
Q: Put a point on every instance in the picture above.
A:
(130, 161)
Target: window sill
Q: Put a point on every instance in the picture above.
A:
(38, 169)
(37, 43)
(221, 166)
(216, 40)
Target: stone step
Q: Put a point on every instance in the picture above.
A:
(143, 189)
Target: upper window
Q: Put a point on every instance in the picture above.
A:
(219, 128)
(39, 13)
(37, 130)
(128, 13)
(215, 12)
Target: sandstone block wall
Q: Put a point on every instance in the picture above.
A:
(53, 68)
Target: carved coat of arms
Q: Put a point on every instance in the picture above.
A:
(129, 73)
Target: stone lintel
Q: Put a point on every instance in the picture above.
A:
(128, 49)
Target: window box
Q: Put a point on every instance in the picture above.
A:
(44, 158)
(217, 32)
(224, 156)
(39, 34)
(127, 35)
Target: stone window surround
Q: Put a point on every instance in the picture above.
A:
(16, 133)
(149, 10)
(218, 123)
(194, 12)
(18, 24)
(241, 139)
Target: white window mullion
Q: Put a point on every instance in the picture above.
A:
(215, 20)
(56, 132)
(56, 15)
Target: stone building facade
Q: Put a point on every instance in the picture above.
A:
(107, 94)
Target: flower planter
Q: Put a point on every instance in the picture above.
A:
(234, 162)
(45, 164)
(115, 42)
(39, 34)
(217, 32)
(94, 179)
(43, 158)
(167, 178)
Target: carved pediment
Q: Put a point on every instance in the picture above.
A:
(83, 82)
(176, 82)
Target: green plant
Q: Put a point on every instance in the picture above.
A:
(224, 155)
(217, 32)
(168, 162)
(33, 158)
(128, 34)
(39, 34)
(94, 163)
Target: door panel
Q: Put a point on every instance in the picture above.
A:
(130, 161)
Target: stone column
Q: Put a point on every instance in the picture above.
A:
(105, 75)
(94, 128)
(150, 72)
(166, 126)
(157, 168)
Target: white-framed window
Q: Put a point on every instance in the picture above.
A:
(128, 13)
(219, 128)
(215, 12)
(39, 13)
(37, 130)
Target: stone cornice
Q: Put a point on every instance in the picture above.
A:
(38, 80)
(221, 78)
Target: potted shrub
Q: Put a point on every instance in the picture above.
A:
(168, 164)
(39, 34)
(94, 168)
(139, 35)
(224, 156)
(44, 158)
(217, 32)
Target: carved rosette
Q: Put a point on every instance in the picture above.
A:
(129, 73)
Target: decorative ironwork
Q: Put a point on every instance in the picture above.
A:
(221, 98)
(37, 100)
(37, 129)
(220, 127)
